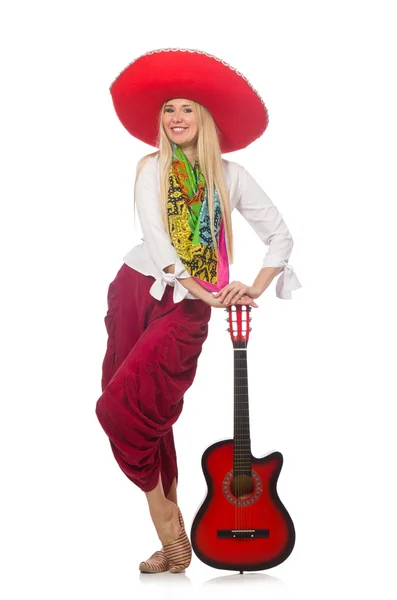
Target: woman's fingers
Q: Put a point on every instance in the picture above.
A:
(234, 298)
(248, 300)
(228, 291)
(223, 293)
(244, 299)
(235, 293)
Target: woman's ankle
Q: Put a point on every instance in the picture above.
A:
(163, 513)
(168, 526)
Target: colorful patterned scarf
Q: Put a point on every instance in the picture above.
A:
(189, 222)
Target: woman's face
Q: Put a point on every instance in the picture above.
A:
(179, 121)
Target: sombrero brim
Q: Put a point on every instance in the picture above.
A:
(141, 88)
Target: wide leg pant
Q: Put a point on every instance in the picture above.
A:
(151, 360)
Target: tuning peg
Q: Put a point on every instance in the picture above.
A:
(228, 329)
(250, 328)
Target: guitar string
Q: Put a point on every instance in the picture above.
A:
(239, 318)
(239, 329)
(234, 316)
(244, 459)
(241, 382)
(238, 422)
(241, 432)
(243, 411)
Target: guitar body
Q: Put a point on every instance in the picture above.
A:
(242, 524)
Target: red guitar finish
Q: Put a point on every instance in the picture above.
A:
(242, 524)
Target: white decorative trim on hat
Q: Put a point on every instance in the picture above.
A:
(197, 52)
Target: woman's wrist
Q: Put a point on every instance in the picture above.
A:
(195, 288)
(263, 280)
(253, 292)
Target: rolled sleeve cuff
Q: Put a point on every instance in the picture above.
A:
(287, 280)
(158, 288)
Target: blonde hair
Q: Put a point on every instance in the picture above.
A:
(210, 160)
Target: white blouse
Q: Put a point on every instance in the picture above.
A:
(157, 252)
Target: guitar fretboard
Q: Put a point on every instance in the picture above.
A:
(242, 441)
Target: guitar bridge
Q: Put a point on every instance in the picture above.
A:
(242, 534)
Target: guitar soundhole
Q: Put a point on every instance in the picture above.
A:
(242, 490)
(242, 486)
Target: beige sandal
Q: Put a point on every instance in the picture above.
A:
(179, 552)
(157, 563)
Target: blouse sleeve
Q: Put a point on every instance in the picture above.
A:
(260, 212)
(162, 252)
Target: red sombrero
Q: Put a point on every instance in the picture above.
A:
(141, 88)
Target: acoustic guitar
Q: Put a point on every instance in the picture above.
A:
(242, 524)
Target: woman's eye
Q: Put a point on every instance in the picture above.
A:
(170, 109)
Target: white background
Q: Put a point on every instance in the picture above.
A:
(322, 389)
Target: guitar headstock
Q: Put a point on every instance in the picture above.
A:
(239, 319)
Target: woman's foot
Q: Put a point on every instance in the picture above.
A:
(179, 551)
(167, 523)
(157, 563)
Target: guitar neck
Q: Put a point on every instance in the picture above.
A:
(242, 440)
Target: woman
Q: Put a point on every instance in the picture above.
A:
(160, 301)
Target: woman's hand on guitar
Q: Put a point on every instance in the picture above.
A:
(216, 303)
(234, 292)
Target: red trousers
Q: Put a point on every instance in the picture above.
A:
(151, 360)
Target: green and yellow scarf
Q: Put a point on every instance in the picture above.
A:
(189, 222)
